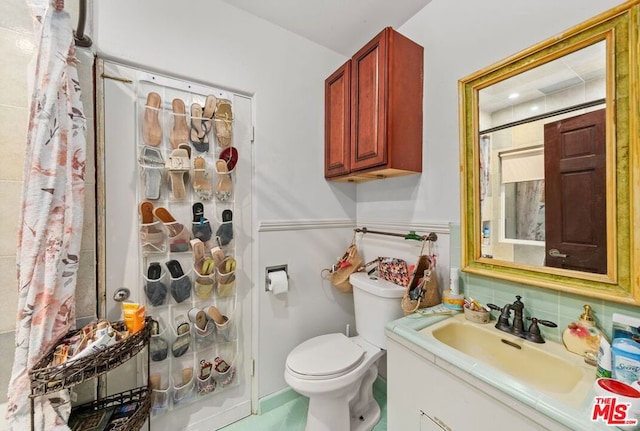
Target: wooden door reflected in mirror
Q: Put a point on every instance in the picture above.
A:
(575, 193)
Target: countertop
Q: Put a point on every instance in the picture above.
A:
(405, 330)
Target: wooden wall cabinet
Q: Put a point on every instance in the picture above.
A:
(373, 111)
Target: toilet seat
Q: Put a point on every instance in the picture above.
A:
(325, 357)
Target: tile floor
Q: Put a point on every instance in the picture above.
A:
(291, 416)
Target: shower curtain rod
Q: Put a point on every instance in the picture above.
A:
(411, 235)
(82, 39)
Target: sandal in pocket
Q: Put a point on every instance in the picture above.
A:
(180, 282)
(154, 288)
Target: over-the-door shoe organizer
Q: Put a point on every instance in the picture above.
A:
(186, 171)
(185, 154)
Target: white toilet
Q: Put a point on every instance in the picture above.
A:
(337, 372)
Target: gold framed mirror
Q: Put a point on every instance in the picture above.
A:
(549, 160)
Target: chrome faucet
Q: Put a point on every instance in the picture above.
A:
(517, 326)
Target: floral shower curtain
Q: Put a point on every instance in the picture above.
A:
(50, 226)
(530, 210)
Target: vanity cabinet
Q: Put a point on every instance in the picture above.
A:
(426, 393)
(373, 111)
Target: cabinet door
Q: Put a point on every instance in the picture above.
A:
(368, 108)
(428, 423)
(422, 396)
(337, 91)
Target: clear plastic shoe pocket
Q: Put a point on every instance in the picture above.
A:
(152, 238)
(224, 130)
(160, 396)
(151, 178)
(203, 286)
(226, 283)
(206, 384)
(206, 126)
(174, 120)
(181, 392)
(201, 230)
(224, 330)
(159, 347)
(226, 377)
(156, 290)
(224, 236)
(180, 288)
(224, 186)
(151, 123)
(180, 242)
(208, 329)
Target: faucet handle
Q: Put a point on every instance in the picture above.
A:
(533, 334)
(494, 307)
(535, 321)
(505, 310)
(548, 323)
(503, 320)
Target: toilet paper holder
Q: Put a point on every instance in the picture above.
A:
(269, 270)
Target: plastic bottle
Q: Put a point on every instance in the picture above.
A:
(451, 298)
(486, 235)
(454, 281)
(604, 358)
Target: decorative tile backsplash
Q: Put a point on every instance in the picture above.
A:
(559, 307)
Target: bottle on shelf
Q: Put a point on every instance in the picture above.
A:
(486, 235)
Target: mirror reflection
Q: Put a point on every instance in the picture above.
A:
(549, 154)
(543, 160)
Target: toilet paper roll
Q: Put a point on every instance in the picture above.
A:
(278, 282)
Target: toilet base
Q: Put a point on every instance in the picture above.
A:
(354, 410)
(317, 418)
(365, 411)
(369, 419)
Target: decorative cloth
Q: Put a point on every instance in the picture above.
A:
(50, 229)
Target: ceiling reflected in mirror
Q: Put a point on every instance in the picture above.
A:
(580, 69)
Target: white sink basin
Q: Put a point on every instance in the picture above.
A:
(547, 367)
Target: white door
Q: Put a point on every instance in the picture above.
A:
(202, 401)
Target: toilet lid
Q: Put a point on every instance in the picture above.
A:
(325, 355)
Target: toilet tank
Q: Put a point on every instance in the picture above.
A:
(377, 302)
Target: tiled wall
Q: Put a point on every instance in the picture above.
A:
(16, 49)
(559, 307)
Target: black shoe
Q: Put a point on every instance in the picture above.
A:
(198, 212)
(174, 268)
(154, 289)
(225, 231)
